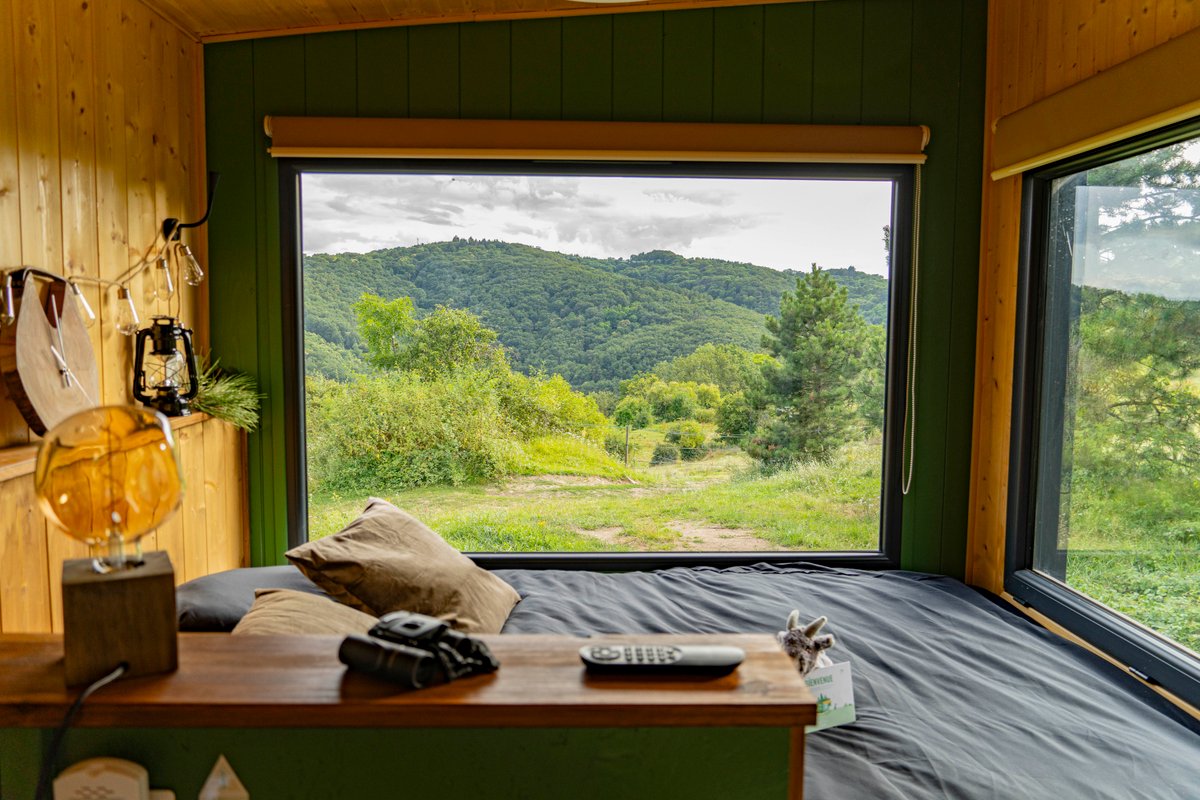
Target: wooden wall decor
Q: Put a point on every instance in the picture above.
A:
(1035, 48)
(101, 138)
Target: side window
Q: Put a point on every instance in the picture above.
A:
(1106, 505)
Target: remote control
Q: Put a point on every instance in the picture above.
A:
(623, 658)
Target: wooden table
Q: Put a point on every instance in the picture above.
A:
(280, 682)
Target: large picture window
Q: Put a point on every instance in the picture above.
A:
(688, 362)
(1105, 507)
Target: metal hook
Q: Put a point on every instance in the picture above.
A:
(171, 227)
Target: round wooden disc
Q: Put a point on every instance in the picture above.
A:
(31, 372)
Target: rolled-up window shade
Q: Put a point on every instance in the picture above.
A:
(342, 137)
(1151, 90)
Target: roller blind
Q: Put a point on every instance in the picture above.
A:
(1156, 88)
(353, 137)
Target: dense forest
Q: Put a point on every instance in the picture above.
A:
(593, 321)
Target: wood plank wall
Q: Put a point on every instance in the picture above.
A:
(1035, 48)
(101, 137)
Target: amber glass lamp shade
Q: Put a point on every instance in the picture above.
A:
(108, 476)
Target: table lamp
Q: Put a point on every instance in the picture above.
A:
(108, 476)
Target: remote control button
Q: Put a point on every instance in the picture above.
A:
(605, 654)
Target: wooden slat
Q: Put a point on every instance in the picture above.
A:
(194, 512)
(486, 62)
(227, 20)
(637, 67)
(587, 68)
(271, 681)
(24, 582)
(536, 74)
(688, 66)
(738, 64)
(12, 426)
(788, 64)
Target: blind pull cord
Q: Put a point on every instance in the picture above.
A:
(908, 445)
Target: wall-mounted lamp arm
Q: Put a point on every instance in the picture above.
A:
(171, 227)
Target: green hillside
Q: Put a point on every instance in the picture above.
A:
(594, 321)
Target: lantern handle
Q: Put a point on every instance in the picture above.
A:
(172, 227)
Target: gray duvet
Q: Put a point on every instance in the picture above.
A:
(957, 697)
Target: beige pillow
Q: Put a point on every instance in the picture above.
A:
(388, 561)
(283, 611)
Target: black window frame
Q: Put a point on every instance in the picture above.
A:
(1146, 654)
(902, 178)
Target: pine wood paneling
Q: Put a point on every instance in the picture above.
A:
(100, 138)
(1035, 48)
(224, 20)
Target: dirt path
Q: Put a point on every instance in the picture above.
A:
(694, 536)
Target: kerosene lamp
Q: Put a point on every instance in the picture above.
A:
(165, 379)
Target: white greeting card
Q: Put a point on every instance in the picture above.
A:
(834, 689)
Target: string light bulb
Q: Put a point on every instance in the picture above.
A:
(164, 284)
(89, 316)
(192, 273)
(9, 315)
(127, 316)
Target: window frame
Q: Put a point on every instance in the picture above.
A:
(902, 178)
(1145, 653)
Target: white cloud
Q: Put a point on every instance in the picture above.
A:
(779, 223)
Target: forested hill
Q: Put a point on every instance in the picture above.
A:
(594, 321)
(747, 285)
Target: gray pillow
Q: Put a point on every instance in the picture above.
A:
(217, 602)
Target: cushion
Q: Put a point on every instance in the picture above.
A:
(388, 561)
(217, 602)
(284, 612)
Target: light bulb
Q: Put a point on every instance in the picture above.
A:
(127, 316)
(89, 316)
(164, 286)
(192, 273)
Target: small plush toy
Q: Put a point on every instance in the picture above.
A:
(803, 645)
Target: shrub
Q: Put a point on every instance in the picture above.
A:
(689, 437)
(664, 453)
(708, 395)
(706, 415)
(673, 402)
(736, 418)
(635, 412)
(614, 444)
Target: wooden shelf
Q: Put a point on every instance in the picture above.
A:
(296, 681)
(16, 462)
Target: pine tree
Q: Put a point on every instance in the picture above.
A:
(821, 346)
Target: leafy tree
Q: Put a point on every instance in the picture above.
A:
(708, 395)
(736, 417)
(451, 339)
(731, 368)
(634, 412)
(386, 327)
(821, 343)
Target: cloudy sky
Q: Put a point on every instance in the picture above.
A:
(784, 224)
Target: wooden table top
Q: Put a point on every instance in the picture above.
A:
(297, 681)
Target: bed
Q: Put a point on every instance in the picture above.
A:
(957, 695)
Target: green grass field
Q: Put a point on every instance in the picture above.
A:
(571, 496)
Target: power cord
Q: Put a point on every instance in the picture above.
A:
(44, 780)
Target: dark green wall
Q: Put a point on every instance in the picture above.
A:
(837, 61)
(342, 764)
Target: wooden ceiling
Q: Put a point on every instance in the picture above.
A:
(221, 20)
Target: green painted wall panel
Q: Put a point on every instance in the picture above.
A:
(353, 764)
(688, 66)
(587, 68)
(537, 69)
(433, 70)
(277, 90)
(887, 53)
(331, 74)
(838, 61)
(788, 63)
(486, 69)
(935, 103)
(738, 64)
(638, 67)
(382, 72)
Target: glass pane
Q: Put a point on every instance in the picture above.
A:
(533, 362)
(1118, 514)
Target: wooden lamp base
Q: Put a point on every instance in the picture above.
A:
(125, 616)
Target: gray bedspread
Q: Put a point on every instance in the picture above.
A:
(957, 697)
